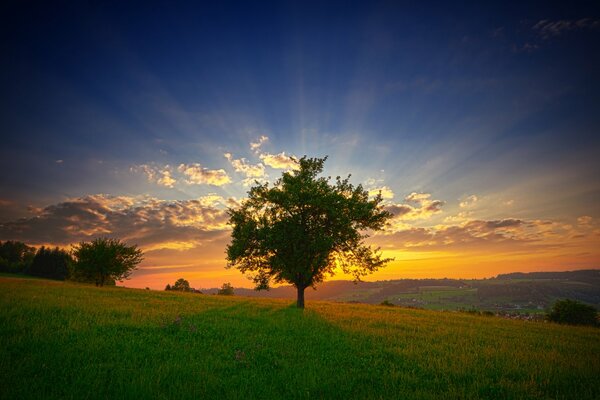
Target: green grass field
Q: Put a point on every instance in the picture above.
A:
(64, 340)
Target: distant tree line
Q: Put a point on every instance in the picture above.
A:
(182, 285)
(102, 261)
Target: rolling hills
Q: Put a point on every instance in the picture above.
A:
(517, 292)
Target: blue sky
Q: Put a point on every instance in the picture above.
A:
(497, 101)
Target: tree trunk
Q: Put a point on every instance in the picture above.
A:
(300, 301)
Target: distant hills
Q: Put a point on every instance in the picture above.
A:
(531, 292)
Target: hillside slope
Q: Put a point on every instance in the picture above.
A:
(63, 340)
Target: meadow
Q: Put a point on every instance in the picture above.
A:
(74, 341)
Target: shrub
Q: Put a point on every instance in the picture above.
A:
(572, 312)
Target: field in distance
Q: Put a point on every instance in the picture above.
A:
(65, 340)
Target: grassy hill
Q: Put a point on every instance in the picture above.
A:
(63, 340)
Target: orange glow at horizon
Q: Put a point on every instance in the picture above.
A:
(473, 264)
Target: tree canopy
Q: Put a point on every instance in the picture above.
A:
(226, 290)
(15, 257)
(304, 228)
(104, 260)
(51, 263)
(573, 312)
(181, 285)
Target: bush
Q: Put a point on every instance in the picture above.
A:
(386, 303)
(572, 312)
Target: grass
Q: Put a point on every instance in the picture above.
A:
(64, 340)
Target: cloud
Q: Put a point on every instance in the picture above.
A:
(146, 221)
(279, 161)
(422, 207)
(418, 197)
(161, 175)
(197, 175)
(548, 29)
(469, 201)
(386, 192)
(255, 146)
(468, 234)
(244, 167)
(585, 220)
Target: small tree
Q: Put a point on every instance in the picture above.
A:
(226, 290)
(104, 260)
(572, 312)
(168, 287)
(51, 263)
(303, 228)
(181, 285)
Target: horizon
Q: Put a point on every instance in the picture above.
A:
(478, 124)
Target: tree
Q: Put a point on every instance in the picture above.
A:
(51, 263)
(181, 285)
(304, 227)
(104, 260)
(572, 312)
(226, 290)
(15, 257)
(168, 287)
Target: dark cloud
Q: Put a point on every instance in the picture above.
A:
(481, 233)
(146, 221)
(547, 29)
(423, 207)
(399, 210)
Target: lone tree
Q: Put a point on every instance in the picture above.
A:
(303, 228)
(181, 285)
(105, 260)
(226, 290)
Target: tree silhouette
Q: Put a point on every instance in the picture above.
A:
(15, 257)
(573, 312)
(226, 290)
(303, 228)
(181, 285)
(104, 260)
(51, 263)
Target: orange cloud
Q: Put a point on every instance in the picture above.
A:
(386, 192)
(197, 175)
(279, 161)
(421, 207)
(155, 174)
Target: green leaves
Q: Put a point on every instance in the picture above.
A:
(303, 227)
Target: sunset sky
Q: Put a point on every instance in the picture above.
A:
(479, 123)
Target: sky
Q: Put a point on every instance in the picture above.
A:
(478, 122)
